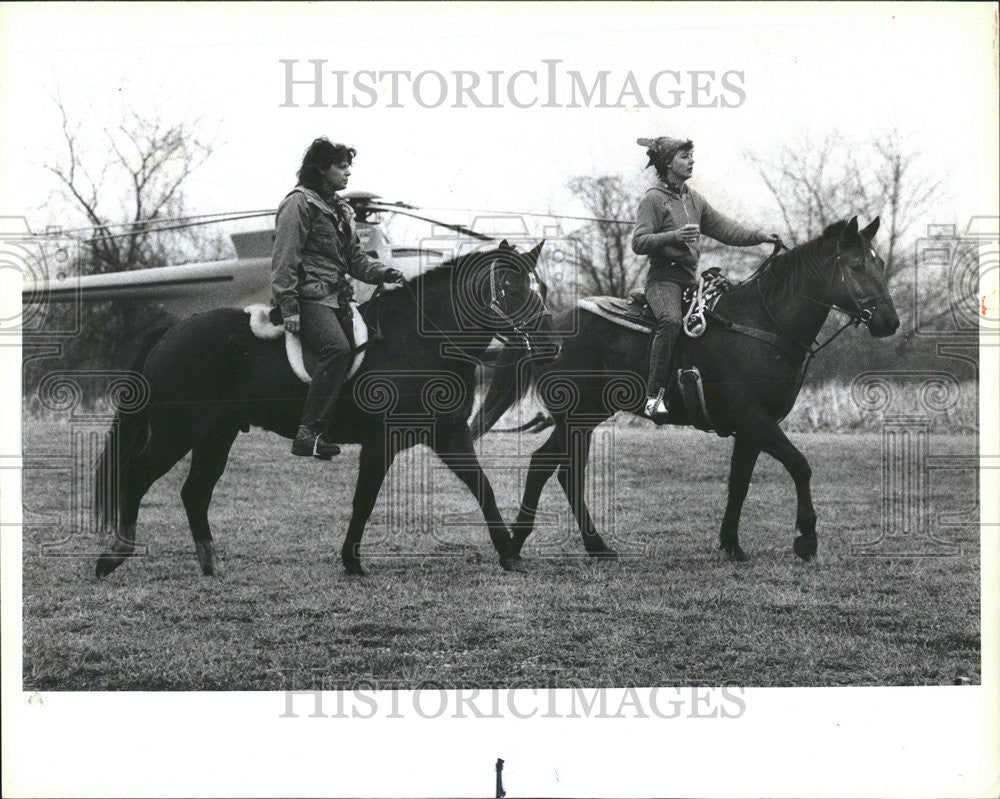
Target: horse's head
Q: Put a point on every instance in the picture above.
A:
(857, 284)
(501, 292)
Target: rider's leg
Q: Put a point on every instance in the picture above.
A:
(321, 330)
(664, 299)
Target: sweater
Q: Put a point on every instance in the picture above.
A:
(661, 210)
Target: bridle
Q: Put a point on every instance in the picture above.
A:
(864, 307)
(861, 314)
(497, 297)
(519, 327)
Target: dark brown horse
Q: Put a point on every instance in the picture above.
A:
(751, 359)
(208, 377)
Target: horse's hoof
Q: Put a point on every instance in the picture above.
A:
(804, 547)
(107, 564)
(607, 553)
(206, 557)
(514, 564)
(353, 567)
(735, 552)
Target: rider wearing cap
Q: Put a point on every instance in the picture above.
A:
(315, 248)
(669, 221)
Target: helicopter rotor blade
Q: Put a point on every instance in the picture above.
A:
(457, 228)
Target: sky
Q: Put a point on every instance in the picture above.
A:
(801, 72)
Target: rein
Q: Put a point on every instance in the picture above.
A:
(810, 350)
(426, 318)
(781, 342)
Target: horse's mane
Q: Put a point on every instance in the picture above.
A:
(787, 270)
(427, 280)
(418, 284)
(440, 273)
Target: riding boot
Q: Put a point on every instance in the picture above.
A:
(661, 353)
(309, 442)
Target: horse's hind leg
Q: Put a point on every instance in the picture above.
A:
(572, 477)
(744, 457)
(377, 456)
(208, 461)
(155, 460)
(544, 462)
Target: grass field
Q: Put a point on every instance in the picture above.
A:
(436, 606)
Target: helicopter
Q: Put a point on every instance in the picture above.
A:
(186, 289)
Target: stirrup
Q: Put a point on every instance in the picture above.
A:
(656, 407)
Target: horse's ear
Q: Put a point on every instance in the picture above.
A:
(505, 245)
(870, 231)
(852, 228)
(535, 252)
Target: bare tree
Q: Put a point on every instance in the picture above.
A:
(604, 261)
(895, 190)
(815, 183)
(126, 180)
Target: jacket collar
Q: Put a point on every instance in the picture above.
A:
(336, 206)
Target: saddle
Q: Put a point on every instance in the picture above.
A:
(634, 313)
(266, 323)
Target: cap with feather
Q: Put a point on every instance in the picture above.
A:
(662, 150)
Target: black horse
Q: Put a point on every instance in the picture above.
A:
(751, 359)
(209, 377)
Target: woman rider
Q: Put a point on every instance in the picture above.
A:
(670, 218)
(315, 248)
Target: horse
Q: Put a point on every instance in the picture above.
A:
(209, 377)
(752, 358)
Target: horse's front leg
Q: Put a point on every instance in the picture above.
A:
(775, 443)
(453, 444)
(745, 452)
(376, 458)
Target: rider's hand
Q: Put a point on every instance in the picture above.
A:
(392, 275)
(770, 238)
(291, 323)
(688, 234)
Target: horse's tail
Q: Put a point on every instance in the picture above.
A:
(512, 377)
(127, 437)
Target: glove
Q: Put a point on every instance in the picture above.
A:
(392, 275)
(770, 238)
(291, 323)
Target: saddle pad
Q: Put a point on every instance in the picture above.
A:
(263, 328)
(622, 312)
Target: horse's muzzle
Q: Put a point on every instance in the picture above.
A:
(883, 320)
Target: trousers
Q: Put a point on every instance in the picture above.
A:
(664, 299)
(320, 329)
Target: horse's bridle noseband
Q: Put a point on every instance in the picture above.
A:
(518, 327)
